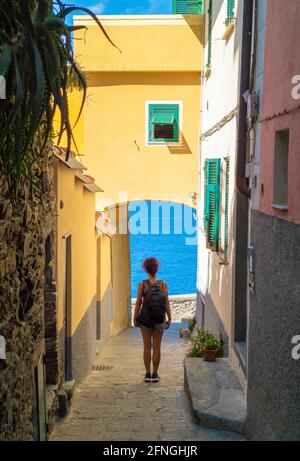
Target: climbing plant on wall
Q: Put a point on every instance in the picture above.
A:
(37, 62)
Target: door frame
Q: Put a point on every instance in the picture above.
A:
(67, 305)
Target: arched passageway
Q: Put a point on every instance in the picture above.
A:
(167, 231)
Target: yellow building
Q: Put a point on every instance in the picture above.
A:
(86, 315)
(140, 127)
(138, 136)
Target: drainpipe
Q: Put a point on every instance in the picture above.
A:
(242, 129)
(253, 45)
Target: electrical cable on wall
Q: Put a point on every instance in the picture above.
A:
(220, 124)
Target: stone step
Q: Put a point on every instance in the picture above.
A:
(215, 394)
(69, 387)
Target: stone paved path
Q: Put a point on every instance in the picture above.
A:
(116, 405)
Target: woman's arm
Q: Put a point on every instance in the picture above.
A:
(168, 308)
(138, 302)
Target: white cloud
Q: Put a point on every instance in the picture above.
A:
(153, 7)
(99, 8)
(137, 10)
(157, 6)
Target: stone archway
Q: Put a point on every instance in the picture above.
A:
(171, 236)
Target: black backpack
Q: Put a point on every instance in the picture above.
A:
(154, 302)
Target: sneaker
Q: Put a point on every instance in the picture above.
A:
(147, 378)
(155, 378)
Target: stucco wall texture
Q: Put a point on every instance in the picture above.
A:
(215, 280)
(274, 319)
(81, 225)
(151, 65)
(93, 276)
(277, 98)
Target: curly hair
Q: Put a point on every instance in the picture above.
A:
(151, 265)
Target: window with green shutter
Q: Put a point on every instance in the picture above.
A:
(212, 170)
(226, 211)
(230, 11)
(209, 38)
(163, 120)
(188, 6)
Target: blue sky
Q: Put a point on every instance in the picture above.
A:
(125, 6)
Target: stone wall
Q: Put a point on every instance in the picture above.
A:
(24, 229)
(182, 306)
(50, 315)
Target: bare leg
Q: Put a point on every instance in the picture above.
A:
(157, 337)
(147, 348)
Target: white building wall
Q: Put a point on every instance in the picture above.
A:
(220, 97)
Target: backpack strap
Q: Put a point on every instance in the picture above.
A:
(161, 284)
(146, 285)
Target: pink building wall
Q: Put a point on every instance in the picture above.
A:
(282, 62)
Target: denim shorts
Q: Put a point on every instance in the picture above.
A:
(155, 327)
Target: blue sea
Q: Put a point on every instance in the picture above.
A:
(166, 231)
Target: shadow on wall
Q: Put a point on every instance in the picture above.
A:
(85, 342)
(81, 346)
(238, 33)
(215, 306)
(182, 148)
(208, 318)
(217, 9)
(97, 79)
(217, 6)
(197, 31)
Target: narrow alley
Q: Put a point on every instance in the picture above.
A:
(114, 404)
(149, 176)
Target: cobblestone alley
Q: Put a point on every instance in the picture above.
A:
(115, 404)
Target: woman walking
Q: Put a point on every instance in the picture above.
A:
(152, 306)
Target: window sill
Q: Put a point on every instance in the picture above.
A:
(280, 206)
(229, 30)
(207, 72)
(171, 144)
(223, 261)
(240, 349)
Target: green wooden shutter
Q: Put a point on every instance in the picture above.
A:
(188, 6)
(164, 114)
(212, 202)
(230, 11)
(226, 220)
(205, 217)
(209, 39)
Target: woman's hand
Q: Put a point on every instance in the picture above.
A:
(168, 308)
(138, 304)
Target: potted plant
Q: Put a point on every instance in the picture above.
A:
(206, 345)
(211, 348)
(192, 323)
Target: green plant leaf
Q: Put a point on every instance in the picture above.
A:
(74, 28)
(5, 57)
(37, 59)
(42, 10)
(70, 10)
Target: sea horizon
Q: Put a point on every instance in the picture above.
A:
(176, 255)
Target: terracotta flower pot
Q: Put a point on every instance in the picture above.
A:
(210, 354)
